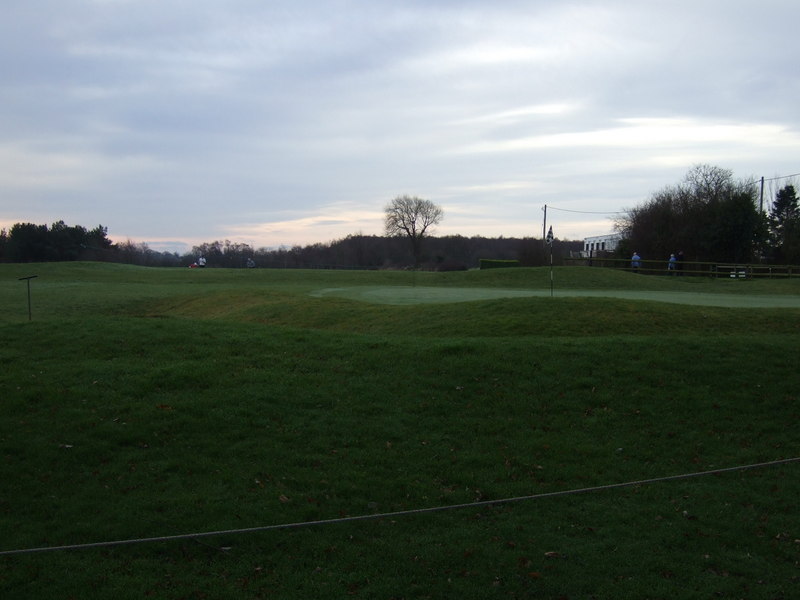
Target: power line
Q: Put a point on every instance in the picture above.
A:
(400, 513)
(624, 212)
(588, 212)
(783, 177)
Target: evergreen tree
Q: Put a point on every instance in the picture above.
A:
(784, 226)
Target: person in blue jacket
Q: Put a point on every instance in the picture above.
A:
(636, 262)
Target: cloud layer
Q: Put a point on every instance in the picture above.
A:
(286, 122)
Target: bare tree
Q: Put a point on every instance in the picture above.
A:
(412, 217)
(708, 183)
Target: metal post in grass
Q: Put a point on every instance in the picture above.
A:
(28, 281)
(550, 243)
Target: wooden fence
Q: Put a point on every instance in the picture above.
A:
(691, 268)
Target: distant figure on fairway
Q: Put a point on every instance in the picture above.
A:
(673, 262)
(201, 262)
(636, 262)
(679, 262)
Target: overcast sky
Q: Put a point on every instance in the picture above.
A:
(271, 122)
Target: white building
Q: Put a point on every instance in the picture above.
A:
(600, 243)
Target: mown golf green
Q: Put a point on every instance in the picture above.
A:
(159, 403)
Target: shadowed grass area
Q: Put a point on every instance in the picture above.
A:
(143, 402)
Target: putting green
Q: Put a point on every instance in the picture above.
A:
(403, 295)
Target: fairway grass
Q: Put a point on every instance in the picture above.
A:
(141, 403)
(403, 295)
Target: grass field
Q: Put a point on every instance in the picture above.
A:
(142, 403)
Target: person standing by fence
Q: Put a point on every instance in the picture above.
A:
(636, 262)
(672, 264)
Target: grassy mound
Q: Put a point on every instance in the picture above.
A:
(148, 402)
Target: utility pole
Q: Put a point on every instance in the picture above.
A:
(550, 243)
(544, 226)
(761, 201)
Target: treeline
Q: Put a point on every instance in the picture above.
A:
(710, 216)
(446, 253)
(26, 242)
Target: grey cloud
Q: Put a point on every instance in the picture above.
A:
(183, 117)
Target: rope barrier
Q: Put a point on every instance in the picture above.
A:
(400, 513)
